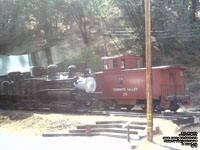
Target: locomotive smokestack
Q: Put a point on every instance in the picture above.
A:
(52, 72)
(72, 71)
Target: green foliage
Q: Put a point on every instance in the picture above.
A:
(77, 57)
(195, 88)
(102, 8)
(93, 60)
(23, 21)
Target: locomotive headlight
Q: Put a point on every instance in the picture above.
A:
(86, 84)
(90, 85)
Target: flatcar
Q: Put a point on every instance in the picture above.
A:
(123, 84)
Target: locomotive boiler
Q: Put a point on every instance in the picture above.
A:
(123, 84)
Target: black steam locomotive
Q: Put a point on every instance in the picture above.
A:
(48, 88)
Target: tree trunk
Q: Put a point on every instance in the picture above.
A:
(48, 55)
(34, 60)
(194, 10)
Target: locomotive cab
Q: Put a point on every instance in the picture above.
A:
(121, 62)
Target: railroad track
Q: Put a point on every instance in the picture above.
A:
(142, 114)
(178, 118)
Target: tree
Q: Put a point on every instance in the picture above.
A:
(133, 12)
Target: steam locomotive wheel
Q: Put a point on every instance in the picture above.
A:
(129, 107)
(117, 107)
(110, 104)
(144, 108)
(174, 107)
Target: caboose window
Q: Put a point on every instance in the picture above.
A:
(123, 63)
(171, 76)
(114, 63)
(139, 63)
(105, 65)
(120, 81)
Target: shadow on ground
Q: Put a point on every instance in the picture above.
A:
(16, 115)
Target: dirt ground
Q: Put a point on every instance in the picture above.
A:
(36, 123)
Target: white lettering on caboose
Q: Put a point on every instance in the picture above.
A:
(119, 89)
(125, 89)
(132, 89)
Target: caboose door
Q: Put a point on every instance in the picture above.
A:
(172, 83)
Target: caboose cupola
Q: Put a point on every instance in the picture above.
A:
(121, 62)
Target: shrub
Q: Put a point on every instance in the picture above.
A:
(77, 57)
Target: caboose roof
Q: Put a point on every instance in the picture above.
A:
(162, 67)
(118, 56)
(172, 67)
(106, 57)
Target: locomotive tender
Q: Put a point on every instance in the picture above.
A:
(123, 83)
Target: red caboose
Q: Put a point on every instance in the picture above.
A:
(123, 83)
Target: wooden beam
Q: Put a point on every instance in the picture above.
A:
(148, 71)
